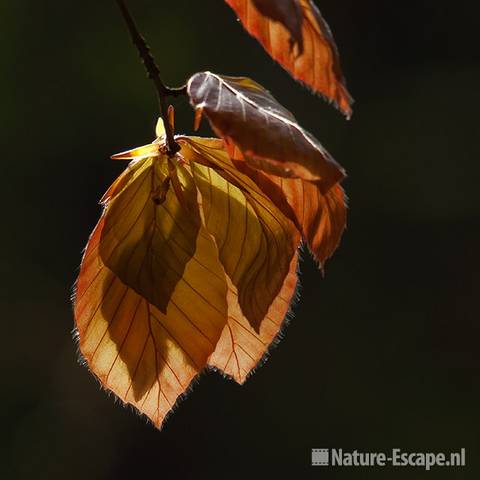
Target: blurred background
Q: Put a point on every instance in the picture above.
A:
(382, 352)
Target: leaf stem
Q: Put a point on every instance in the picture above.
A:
(154, 74)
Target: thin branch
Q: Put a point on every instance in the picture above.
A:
(154, 74)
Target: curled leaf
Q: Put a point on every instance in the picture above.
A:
(295, 34)
(270, 139)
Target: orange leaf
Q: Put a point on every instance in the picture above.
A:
(295, 34)
(241, 349)
(148, 358)
(321, 218)
(144, 332)
(270, 139)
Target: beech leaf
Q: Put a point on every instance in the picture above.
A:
(144, 356)
(150, 312)
(149, 236)
(255, 240)
(241, 348)
(287, 12)
(321, 218)
(193, 263)
(242, 112)
(295, 34)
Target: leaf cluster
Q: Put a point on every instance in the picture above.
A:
(193, 263)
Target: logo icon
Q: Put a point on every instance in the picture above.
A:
(320, 457)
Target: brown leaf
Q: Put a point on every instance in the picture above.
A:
(295, 34)
(270, 139)
(287, 12)
(321, 218)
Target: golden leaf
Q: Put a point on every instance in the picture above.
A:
(256, 242)
(151, 312)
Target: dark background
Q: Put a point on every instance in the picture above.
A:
(381, 353)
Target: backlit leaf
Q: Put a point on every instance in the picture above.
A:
(146, 342)
(149, 236)
(321, 218)
(295, 34)
(270, 139)
(256, 242)
(240, 348)
(148, 358)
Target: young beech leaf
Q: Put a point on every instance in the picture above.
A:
(287, 12)
(256, 242)
(240, 348)
(148, 242)
(295, 34)
(192, 265)
(148, 358)
(320, 218)
(270, 139)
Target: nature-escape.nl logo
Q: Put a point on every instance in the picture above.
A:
(396, 458)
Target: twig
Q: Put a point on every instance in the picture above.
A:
(154, 74)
